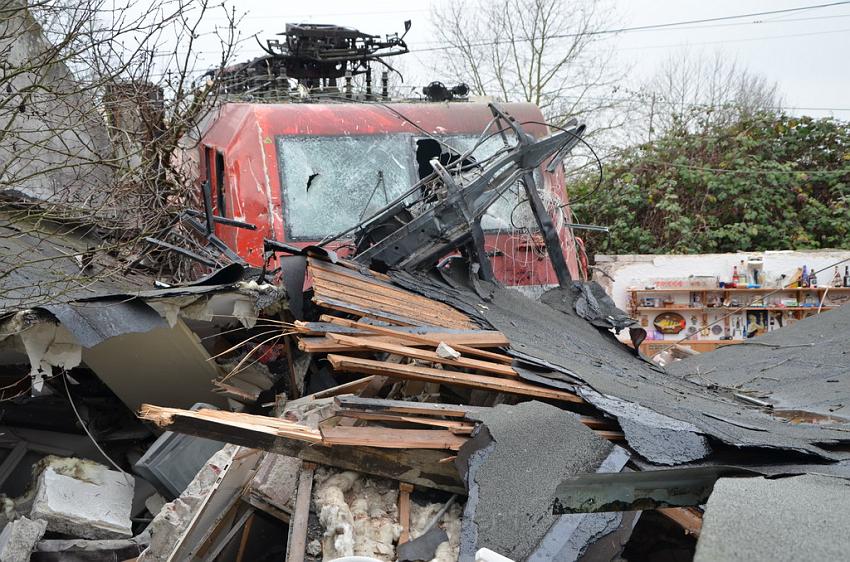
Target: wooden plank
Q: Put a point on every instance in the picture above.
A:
(689, 519)
(371, 294)
(327, 345)
(349, 387)
(415, 466)
(401, 418)
(413, 372)
(404, 511)
(610, 435)
(222, 542)
(243, 543)
(403, 406)
(395, 304)
(370, 278)
(466, 350)
(296, 545)
(472, 338)
(426, 355)
(164, 417)
(350, 403)
(388, 438)
(349, 308)
(324, 344)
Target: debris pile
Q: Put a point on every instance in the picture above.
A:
(385, 407)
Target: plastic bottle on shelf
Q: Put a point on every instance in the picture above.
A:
(847, 276)
(735, 277)
(804, 278)
(813, 279)
(836, 278)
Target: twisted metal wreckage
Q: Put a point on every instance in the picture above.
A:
(404, 405)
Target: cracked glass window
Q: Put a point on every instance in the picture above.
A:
(332, 183)
(511, 211)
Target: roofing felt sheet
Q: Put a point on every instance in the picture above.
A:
(805, 366)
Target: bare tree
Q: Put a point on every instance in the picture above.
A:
(547, 52)
(96, 98)
(694, 90)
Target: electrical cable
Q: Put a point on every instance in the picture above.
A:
(86, 429)
(646, 27)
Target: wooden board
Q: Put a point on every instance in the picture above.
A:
(434, 335)
(388, 438)
(164, 417)
(337, 286)
(402, 418)
(403, 406)
(420, 467)
(425, 355)
(417, 338)
(296, 544)
(413, 372)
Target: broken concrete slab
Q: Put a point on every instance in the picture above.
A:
(273, 486)
(19, 537)
(510, 499)
(798, 518)
(83, 499)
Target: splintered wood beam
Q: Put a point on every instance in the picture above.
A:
(466, 350)
(425, 355)
(165, 417)
(388, 438)
(420, 467)
(442, 376)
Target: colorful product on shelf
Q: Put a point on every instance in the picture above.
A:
(669, 323)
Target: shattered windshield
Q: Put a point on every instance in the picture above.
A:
(332, 183)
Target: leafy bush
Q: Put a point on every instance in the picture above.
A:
(765, 183)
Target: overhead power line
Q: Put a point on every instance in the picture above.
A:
(647, 27)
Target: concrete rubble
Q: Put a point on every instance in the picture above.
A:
(19, 538)
(83, 499)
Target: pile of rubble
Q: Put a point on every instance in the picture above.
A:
(382, 407)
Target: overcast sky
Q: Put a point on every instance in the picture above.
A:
(806, 52)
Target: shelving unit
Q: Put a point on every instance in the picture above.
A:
(734, 319)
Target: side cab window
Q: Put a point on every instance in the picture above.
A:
(215, 174)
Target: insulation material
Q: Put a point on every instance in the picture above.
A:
(421, 516)
(49, 345)
(359, 515)
(171, 308)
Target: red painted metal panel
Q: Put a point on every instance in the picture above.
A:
(245, 134)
